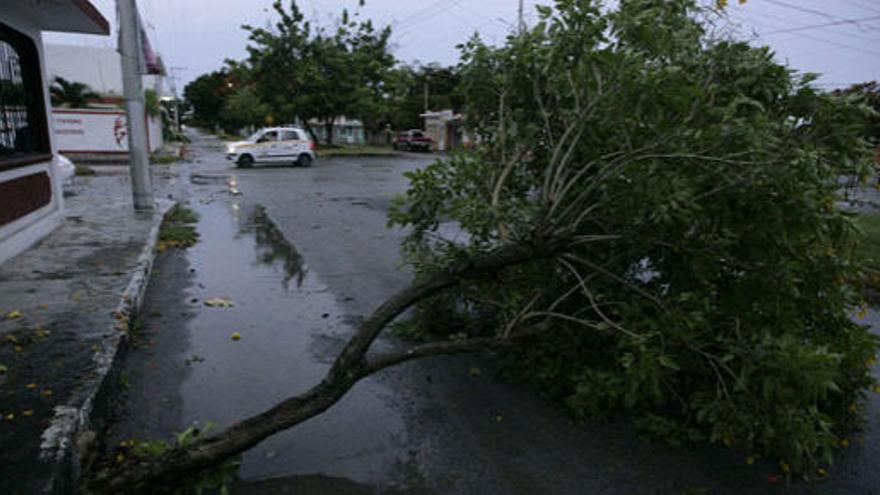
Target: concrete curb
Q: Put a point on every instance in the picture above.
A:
(72, 425)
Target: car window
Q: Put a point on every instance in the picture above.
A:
(268, 137)
(290, 136)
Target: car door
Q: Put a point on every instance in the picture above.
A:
(266, 146)
(289, 145)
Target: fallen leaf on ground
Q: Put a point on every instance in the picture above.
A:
(235, 336)
(9, 417)
(219, 302)
(475, 371)
(11, 338)
(41, 333)
(46, 393)
(27, 413)
(14, 314)
(31, 386)
(3, 368)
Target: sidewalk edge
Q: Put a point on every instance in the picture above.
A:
(68, 438)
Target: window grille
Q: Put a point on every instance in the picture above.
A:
(24, 135)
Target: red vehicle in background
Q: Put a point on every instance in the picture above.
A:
(412, 140)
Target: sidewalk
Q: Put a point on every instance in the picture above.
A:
(62, 305)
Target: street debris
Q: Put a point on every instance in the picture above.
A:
(219, 302)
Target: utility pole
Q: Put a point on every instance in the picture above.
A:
(522, 25)
(174, 79)
(426, 95)
(130, 50)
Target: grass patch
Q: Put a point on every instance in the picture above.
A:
(83, 170)
(869, 249)
(176, 230)
(365, 150)
(181, 214)
(867, 253)
(164, 159)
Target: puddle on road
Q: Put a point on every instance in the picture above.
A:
(291, 329)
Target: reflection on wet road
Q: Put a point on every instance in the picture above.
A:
(291, 328)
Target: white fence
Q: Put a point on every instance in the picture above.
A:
(98, 131)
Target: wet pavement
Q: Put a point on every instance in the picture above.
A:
(65, 289)
(304, 253)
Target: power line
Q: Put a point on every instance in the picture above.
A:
(786, 20)
(867, 5)
(827, 24)
(832, 42)
(802, 9)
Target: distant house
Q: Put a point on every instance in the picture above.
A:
(100, 129)
(446, 129)
(345, 130)
(30, 194)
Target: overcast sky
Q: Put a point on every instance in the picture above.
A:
(838, 38)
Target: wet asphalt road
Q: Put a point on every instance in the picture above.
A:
(304, 253)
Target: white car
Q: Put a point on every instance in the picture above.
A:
(66, 172)
(273, 145)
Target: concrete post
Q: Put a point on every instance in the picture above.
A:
(130, 51)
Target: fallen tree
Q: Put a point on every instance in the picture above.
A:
(652, 210)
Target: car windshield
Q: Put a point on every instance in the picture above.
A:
(253, 137)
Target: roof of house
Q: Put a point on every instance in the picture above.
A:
(71, 16)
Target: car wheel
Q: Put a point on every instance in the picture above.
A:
(304, 160)
(246, 161)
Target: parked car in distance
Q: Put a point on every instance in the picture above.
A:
(273, 145)
(412, 140)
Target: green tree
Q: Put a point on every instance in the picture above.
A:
(308, 72)
(869, 94)
(651, 227)
(244, 109)
(206, 95)
(71, 94)
(708, 295)
(405, 90)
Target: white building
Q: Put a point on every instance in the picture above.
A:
(99, 130)
(98, 67)
(345, 130)
(446, 129)
(30, 193)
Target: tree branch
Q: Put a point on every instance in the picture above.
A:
(350, 367)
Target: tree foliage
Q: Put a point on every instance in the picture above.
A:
(206, 95)
(307, 71)
(869, 94)
(648, 225)
(707, 292)
(71, 94)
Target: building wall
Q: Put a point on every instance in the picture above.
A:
(98, 131)
(27, 230)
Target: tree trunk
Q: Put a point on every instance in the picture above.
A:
(328, 131)
(311, 131)
(350, 367)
